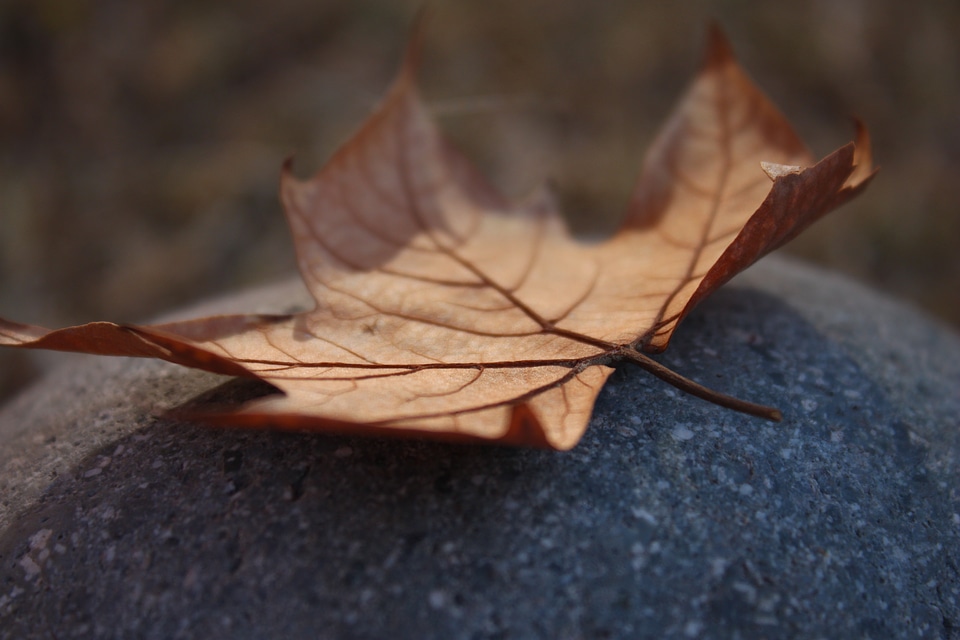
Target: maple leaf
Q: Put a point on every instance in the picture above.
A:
(443, 310)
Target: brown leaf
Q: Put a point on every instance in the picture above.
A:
(443, 310)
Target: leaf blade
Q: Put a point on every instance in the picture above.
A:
(442, 310)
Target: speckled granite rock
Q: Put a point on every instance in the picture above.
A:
(673, 518)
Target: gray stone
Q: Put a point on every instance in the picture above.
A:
(672, 518)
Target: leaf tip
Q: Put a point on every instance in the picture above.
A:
(719, 51)
(525, 429)
(863, 155)
(414, 47)
(288, 182)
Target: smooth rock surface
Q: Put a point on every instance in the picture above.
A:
(672, 518)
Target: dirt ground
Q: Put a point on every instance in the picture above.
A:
(140, 142)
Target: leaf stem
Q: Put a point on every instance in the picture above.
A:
(695, 388)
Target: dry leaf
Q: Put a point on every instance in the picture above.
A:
(444, 311)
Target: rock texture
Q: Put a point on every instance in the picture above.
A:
(672, 518)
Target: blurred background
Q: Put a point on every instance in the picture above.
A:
(141, 141)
